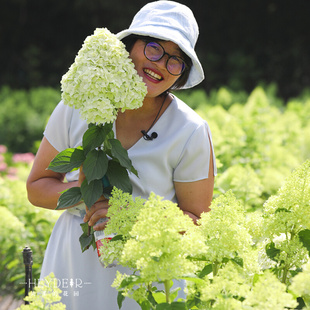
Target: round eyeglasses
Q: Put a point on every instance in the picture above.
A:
(153, 51)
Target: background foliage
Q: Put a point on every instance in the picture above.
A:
(241, 42)
(258, 138)
(23, 116)
(21, 224)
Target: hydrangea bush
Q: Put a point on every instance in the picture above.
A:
(232, 259)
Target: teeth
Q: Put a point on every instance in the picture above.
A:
(152, 74)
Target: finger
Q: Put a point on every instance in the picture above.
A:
(81, 176)
(101, 226)
(100, 204)
(101, 213)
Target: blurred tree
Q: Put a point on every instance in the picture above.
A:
(242, 43)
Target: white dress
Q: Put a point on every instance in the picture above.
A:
(181, 153)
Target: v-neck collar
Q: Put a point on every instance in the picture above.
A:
(156, 127)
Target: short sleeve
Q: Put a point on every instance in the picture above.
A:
(65, 129)
(57, 128)
(194, 161)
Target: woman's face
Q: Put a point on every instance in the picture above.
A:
(155, 74)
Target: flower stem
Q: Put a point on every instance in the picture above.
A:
(167, 290)
(284, 275)
(215, 269)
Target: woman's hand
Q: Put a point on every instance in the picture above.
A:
(97, 211)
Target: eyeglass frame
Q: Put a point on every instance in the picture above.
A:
(169, 57)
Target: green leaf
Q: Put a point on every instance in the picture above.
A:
(304, 237)
(238, 260)
(117, 237)
(118, 176)
(120, 153)
(145, 305)
(271, 251)
(151, 298)
(95, 165)
(174, 294)
(205, 271)
(67, 160)
(85, 228)
(94, 136)
(159, 297)
(69, 198)
(193, 302)
(255, 278)
(155, 258)
(282, 210)
(86, 241)
(91, 191)
(197, 259)
(107, 192)
(131, 281)
(120, 299)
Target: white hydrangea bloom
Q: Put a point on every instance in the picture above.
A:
(301, 284)
(269, 293)
(157, 248)
(102, 80)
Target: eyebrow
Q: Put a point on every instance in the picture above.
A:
(177, 47)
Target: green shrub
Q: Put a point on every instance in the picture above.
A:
(258, 141)
(21, 224)
(23, 116)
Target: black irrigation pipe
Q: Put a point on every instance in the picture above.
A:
(27, 255)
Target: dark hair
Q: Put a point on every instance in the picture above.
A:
(129, 42)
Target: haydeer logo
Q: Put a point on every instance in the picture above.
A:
(68, 286)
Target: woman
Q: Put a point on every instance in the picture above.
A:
(168, 143)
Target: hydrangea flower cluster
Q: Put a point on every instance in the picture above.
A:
(123, 213)
(287, 218)
(270, 294)
(226, 219)
(288, 211)
(158, 249)
(102, 80)
(46, 296)
(233, 288)
(301, 284)
(230, 283)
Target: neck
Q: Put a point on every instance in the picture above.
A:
(150, 106)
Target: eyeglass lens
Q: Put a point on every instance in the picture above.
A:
(154, 51)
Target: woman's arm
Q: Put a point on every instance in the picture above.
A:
(195, 197)
(44, 186)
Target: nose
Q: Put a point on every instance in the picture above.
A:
(162, 62)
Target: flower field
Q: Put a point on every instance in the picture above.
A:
(250, 252)
(21, 224)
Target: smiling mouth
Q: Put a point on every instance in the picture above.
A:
(152, 74)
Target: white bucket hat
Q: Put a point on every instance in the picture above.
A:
(170, 21)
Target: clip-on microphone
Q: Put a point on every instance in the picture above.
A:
(154, 135)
